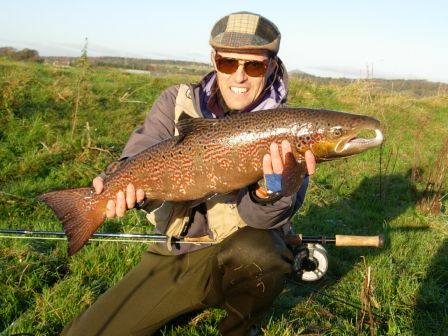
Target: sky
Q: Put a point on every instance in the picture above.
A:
(393, 39)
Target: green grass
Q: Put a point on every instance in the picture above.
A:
(42, 289)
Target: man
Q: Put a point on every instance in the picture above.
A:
(244, 271)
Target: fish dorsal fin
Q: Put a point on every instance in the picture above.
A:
(114, 166)
(188, 125)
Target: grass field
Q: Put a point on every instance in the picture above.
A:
(60, 127)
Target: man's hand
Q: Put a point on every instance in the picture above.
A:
(274, 162)
(124, 200)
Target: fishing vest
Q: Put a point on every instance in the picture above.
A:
(171, 218)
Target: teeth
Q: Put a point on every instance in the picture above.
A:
(238, 89)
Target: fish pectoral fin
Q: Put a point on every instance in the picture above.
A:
(184, 116)
(293, 175)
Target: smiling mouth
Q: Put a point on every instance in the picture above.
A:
(238, 90)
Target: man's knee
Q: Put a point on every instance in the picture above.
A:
(253, 264)
(264, 250)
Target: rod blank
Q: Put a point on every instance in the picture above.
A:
(338, 240)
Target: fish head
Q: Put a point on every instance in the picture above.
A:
(331, 134)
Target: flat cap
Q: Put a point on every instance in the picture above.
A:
(245, 31)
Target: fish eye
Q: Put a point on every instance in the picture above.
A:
(337, 132)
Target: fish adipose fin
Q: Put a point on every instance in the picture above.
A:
(80, 211)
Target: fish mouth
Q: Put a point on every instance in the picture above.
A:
(359, 142)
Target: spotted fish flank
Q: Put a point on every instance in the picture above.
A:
(214, 156)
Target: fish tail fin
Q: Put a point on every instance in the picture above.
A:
(81, 212)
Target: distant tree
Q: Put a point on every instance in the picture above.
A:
(21, 55)
(27, 55)
(7, 51)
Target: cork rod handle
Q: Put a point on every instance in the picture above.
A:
(370, 241)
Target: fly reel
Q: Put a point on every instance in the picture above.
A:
(310, 257)
(310, 262)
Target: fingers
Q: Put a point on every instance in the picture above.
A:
(120, 205)
(123, 201)
(267, 164)
(310, 162)
(98, 184)
(130, 196)
(274, 162)
(286, 150)
(140, 195)
(277, 161)
(110, 209)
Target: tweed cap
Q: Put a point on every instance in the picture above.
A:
(245, 31)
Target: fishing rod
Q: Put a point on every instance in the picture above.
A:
(310, 261)
(338, 240)
(100, 236)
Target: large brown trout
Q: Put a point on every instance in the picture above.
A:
(214, 156)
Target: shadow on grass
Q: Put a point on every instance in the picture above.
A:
(431, 313)
(367, 211)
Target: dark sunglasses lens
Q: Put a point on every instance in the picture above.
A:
(230, 65)
(227, 65)
(255, 68)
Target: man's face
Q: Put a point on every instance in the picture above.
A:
(238, 89)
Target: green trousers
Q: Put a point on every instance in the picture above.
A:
(243, 275)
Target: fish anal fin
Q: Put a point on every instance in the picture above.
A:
(196, 202)
(152, 205)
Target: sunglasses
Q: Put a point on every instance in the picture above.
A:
(229, 66)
